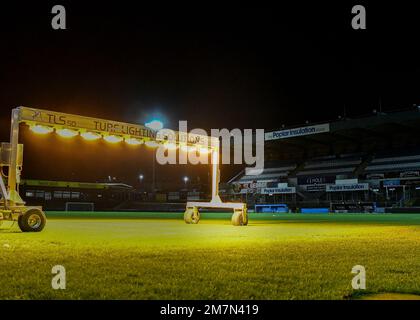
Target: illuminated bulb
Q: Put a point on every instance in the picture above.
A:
(90, 135)
(154, 125)
(41, 129)
(170, 146)
(113, 139)
(66, 133)
(188, 148)
(133, 141)
(151, 144)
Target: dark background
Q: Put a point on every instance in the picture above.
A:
(216, 66)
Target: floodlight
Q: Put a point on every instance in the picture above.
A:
(134, 141)
(171, 146)
(151, 144)
(154, 125)
(67, 133)
(90, 135)
(113, 139)
(41, 129)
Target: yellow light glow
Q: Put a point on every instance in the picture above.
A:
(41, 129)
(133, 141)
(66, 133)
(154, 125)
(113, 139)
(204, 150)
(90, 135)
(151, 144)
(192, 149)
(171, 146)
(188, 148)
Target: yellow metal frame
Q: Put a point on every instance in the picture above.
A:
(11, 199)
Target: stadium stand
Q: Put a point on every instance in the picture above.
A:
(342, 165)
(272, 173)
(352, 165)
(395, 162)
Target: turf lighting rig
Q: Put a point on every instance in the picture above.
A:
(32, 218)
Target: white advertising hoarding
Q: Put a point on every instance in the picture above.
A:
(297, 132)
(284, 190)
(347, 187)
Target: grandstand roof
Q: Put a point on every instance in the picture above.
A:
(374, 133)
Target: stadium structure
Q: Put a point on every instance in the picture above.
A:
(367, 164)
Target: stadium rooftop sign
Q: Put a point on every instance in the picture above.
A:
(297, 132)
(382, 123)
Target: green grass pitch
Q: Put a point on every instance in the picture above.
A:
(157, 256)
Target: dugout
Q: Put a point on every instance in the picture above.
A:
(57, 195)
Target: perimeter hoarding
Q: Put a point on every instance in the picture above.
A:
(283, 190)
(347, 187)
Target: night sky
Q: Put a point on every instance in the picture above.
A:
(215, 66)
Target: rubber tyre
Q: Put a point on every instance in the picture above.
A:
(195, 218)
(237, 218)
(191, 216)
(20, 223)
(33, 220)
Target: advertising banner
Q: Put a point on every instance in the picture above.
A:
(284, 190)
(314, 187)
(392, 183)
(347, 187)
(409, 174)
(315, 180)
(297, 132)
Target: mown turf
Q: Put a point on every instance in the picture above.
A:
(158, 256)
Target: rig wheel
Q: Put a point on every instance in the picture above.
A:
(192, 216)
(33, 220)
(239, 218)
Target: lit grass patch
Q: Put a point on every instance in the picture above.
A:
(149, 256)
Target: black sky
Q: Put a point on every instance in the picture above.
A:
(215, 66)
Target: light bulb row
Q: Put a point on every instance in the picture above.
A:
(91, 136)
